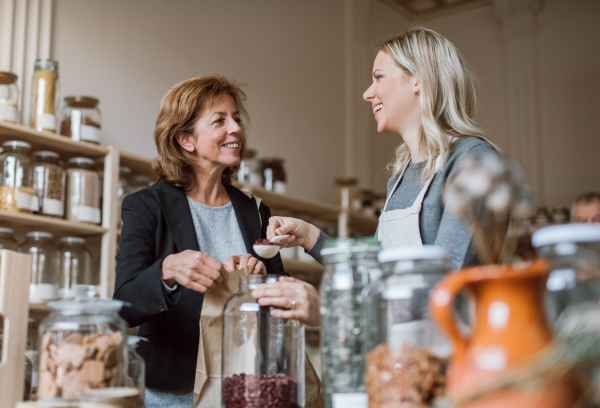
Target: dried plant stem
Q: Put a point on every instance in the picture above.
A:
(482, 243)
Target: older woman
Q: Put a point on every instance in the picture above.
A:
(178, 233)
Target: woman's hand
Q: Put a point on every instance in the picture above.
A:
(194, 270)
(301, 232)
(241, 261)
(300, 298)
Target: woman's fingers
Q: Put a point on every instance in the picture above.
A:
(284, 302)
(230, 263)
(289, 314)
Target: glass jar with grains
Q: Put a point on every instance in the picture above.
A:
(45, 95)
(80, 118)
(75, 266)
(43, 284)
(16, 189)
(49, 183)
(9, 97)
(7, 239)
(273, 174)
(83, 191)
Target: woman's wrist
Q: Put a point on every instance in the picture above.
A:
(165, 274)
(311, 237)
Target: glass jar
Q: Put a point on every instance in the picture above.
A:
(43, 285)
(7, 239)
(273, 174)
(9, 97)
(573, 251)
(139, 183)
(83, 191)
(263, 357)
(82, 345)
(406, 355)
(249, 171)
(49, 183)
(350, 265)
(136, 368)
(16, 188)
(45, 97)
(33, 352)
(80, 118)
(347, 194)
(75, 266)
(560, 215)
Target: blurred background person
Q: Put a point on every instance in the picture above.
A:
(586, 208)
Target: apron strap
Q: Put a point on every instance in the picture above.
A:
(395, 187)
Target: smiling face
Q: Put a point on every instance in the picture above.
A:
(394, 96)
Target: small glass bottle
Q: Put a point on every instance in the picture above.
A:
(7, 239)
(9, 97)
(43, 285)
(273, 174)
(350, 265)
(16, 186)
(45, 96)
(49, 183)
(83, 191)
(75, 266)
(136, 369)
(80, 119)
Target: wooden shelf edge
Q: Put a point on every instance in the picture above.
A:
(295, 266)
(20, 220)
(38, 310)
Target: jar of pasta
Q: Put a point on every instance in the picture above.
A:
(9, 97)
(7, 239)
(80, 118)
(16, 189)
(83, 191)
(45, 95)
(44, 266)
(75, 266)
(49, 183)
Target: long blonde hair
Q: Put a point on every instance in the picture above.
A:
(447, 95)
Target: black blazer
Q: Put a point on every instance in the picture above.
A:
(157, 222)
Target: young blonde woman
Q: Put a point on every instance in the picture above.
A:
(424, 92)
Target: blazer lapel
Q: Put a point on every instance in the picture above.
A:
(179, 218)
(247, 216)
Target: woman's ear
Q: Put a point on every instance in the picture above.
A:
(416, 85)
(186, 141)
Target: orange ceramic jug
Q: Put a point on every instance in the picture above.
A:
(509, 327)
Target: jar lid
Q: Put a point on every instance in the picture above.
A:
(124, 169)
(99, 305)
(555, 234)
(7, 230)
(72, 240)
(413, 253)
(81, 160)
(45, 64)
(16, 143)
(350, 245)
(39, 234)
(46, 153)
(81, 101)
(7, 77)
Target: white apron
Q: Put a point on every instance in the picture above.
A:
(400, 228)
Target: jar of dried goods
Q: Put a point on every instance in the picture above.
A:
(75, 266)
(249, 171)
(262, 357)
(573, 251)
(9, 97)
(273, 174)
(80, 118)
(347, 194)
(45, 97)
(7, 239)
(43, 285)
(49, 183)
(33, 351)
(350, 265)
(82, 345)
(16, 189)
(83, 191)
(136, 367)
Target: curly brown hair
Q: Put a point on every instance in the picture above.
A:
(179, 110)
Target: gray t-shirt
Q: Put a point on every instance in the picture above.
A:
(437, 225)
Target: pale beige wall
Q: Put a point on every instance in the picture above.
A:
(129, 53)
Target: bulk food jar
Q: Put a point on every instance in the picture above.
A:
(9, 97)
(49, 183)
(136, 367)
(45, 95)
(406, 354)
(43, 284)
(80, 118)
(573, 251)
(83, 191)
(249, 171)
(350, 265)
(83, 345)
(75, 266)
(16, 190)
(273, 174)
(7, 239)
(262, 356)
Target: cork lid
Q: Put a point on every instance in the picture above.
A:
(7, 78)
(82, 101)
(346, 181)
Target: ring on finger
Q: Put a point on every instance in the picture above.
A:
(293, 304)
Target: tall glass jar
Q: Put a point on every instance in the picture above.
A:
(406, 354)
(273, 174)
(347, 194)
(75, 266)
(80, 118)
(7, 239)
(82, 345)
(16, 187)
(263, 357)
(249, 171)
(9, 97)
(43, 285)
(350, 265)
(45, 96)
(573, 251)
(136, 368)
(83, 191)
(49, 183)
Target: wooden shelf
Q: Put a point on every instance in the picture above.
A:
(59, 227)
(137, 164)
(363, 223)
(48, 141)
(38, 311)
(294, 267)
